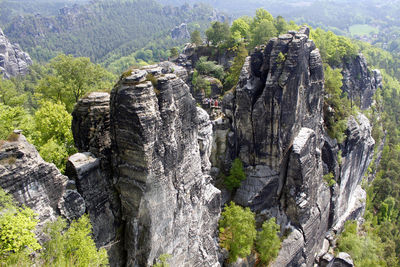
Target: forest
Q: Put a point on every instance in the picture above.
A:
(41, 103)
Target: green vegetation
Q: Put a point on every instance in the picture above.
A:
(66, 246)
(210, 68)
(236, 175)
(238, 235)
(365, 247)
(268, 242)
(329, 179)
(362, 29)
(337, 107)
(162, 261)
(233, 74)
(237, 231)
(195, 38)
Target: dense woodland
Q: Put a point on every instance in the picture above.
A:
(41, 103)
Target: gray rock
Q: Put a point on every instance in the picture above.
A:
(100, 201)
(168, 203)
(36, 183)
(180, 32)
(359, 82)
(13, 61)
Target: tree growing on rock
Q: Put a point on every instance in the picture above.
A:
(268, 242)
(237, 231)
(236, 175)
(195, 38)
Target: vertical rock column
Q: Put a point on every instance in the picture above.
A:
(169, 205)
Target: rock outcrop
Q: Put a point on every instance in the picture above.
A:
(180, 32)
(36, 183)
(359, 82)
(13, 61)
(277, 130)
(169, 205)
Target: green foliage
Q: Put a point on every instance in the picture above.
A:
(218, 33)
(201, 84)
(10, 119)
(232, 77)
(162, 261)
(51, 133)
(366, 249)
(195, 38)
(71, 78)
(237, 231)
(281, 58)
(268, 242)
(17, 226)
(336, 106)
(205, 67)
(334, 49)
(9, 95)
(262, 32)
(241, 26)
(329, 179)
(174, 52)
(236, 175)
(74, 246)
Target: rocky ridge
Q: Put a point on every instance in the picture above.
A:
(277, 130)
(13, 61)
(143, 171)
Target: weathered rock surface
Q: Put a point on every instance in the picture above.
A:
(180, 32)
(359, 82)
(13, 61)
(91, 125)
(36, 183)
(277, 130)
(168, 203)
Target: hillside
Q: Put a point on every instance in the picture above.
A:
(106, 30)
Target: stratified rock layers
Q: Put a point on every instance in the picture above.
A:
(278, 130)
(168, 203)
(13, 61)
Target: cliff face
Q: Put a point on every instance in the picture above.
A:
(143, 169)
(13, 61)
(36, 183)
(158, 144)
(359, 82)
(278, 132)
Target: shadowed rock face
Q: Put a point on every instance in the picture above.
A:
(359, 82)
(168, 203)
(36, 183)
(278, 131)
(13, 61)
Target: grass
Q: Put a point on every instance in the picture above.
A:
(362, 29)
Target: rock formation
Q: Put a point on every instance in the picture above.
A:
(160, 148)
(180, 32)
(36, 183)
(13, 61)
(277, 131)
(143, 167)
(359, 82)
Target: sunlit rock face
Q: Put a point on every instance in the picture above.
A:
(13, 61)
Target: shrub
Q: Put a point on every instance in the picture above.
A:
(328, 178)
(237, 231)
(236, 175)
(162, 261)
(268, 241)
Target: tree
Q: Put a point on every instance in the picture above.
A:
(232, 78)
(237, 231)
(262, 32)
(73, 245)
(268, 242)
(10, 119)
(236, 175)
(72, 78)
(195, 38)
(51, 133)
(174, 52)
(17, 226)
(9, 95)
(218, 33)
(242, 27)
